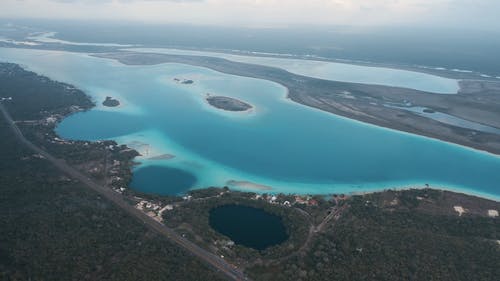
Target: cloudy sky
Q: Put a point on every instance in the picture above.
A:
(267, 13)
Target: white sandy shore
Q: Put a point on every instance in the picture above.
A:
(248, 185)
(148, 151)
(162, 157)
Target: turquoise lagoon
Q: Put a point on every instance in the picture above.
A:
(280, 144)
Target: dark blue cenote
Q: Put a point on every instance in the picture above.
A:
(248, 226)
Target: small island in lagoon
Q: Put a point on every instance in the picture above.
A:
(111, 102)
(184, 81)
(228, 103)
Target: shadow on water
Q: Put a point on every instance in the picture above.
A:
(162, 180)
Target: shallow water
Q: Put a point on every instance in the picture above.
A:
(281, 144)
(336, 71)
(451, 120)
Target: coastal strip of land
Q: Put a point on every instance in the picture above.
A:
(477, 101)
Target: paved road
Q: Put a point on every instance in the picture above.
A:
(334, 214)
(218, 263)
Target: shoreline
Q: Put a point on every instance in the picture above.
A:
(441, 71)
(287, 98)
(250, 186)
(445, 72)
(381, 188)
(484, 146)
(364, 113)
(461, 191)
(475, 149)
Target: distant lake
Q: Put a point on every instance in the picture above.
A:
(280, 146)
(248, 226)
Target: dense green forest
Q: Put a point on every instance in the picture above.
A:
(394, 236)
(52, 228)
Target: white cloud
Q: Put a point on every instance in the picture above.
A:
(265, 12)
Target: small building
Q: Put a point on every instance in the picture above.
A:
(312, 202)
(50, 119)
(460, 210)
(300, 200)
(492, 213)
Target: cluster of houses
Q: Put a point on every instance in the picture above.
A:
(115, 181)
(492, 213)
(224, 243)
(60, 141)
(75, 108)
(153, 210)
(51, 120)
(286, 201)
